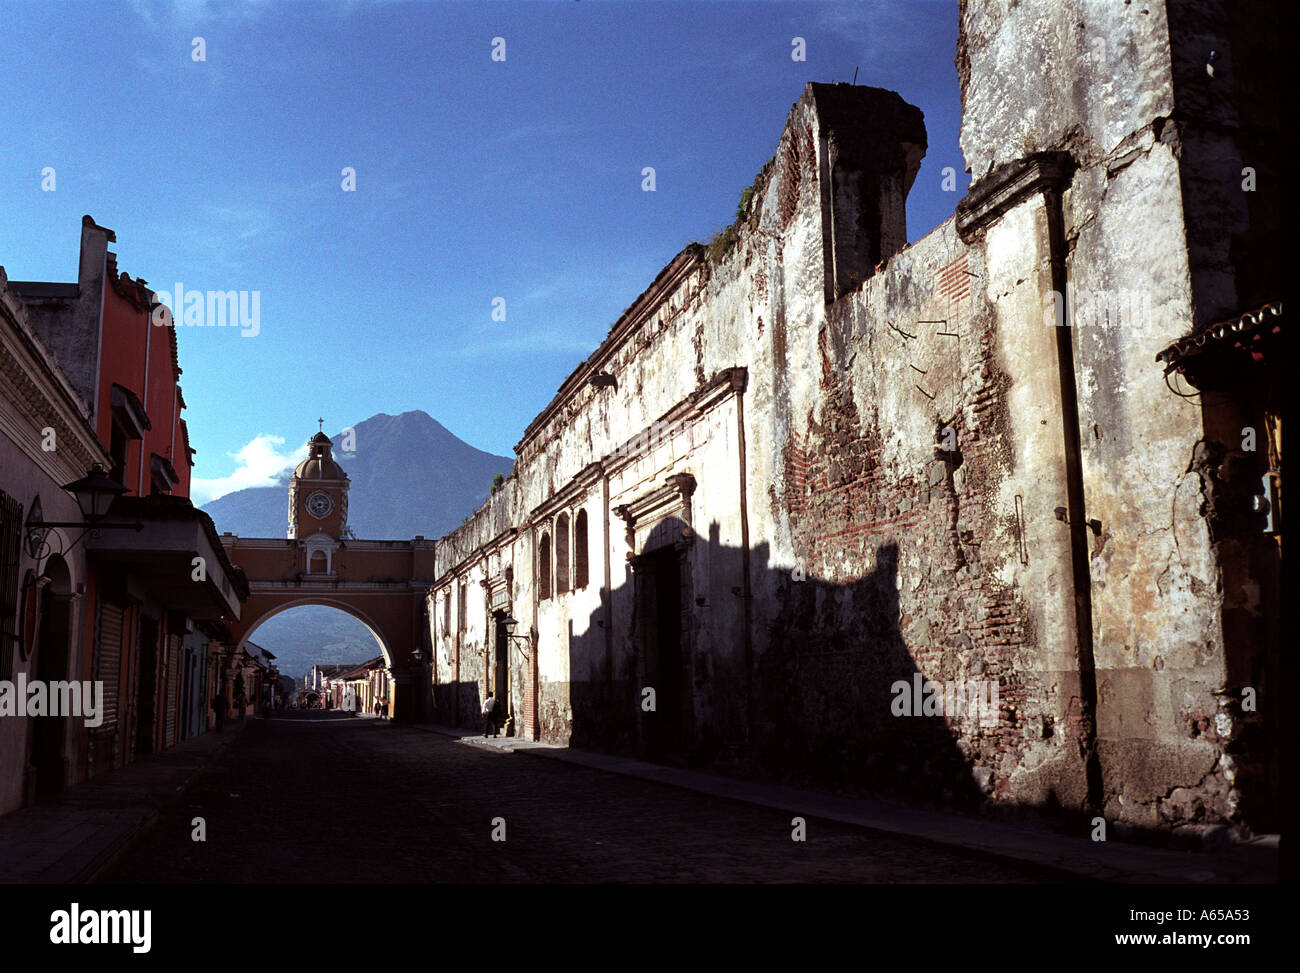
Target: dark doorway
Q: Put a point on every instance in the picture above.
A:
(49, 732)
(662, 647)
(501, 669)
(146, 685)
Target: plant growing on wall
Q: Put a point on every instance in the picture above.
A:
(722, 243)
(746, 199)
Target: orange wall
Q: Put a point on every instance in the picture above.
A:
(285, 561)
(130, 340)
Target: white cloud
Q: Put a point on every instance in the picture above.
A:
(244, 221)
(881, 30)
(536, 343)
(544, 130)
(260, 463)
(158, 15)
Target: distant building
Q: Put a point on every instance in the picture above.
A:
(318, 677)
(357, 689)
(256, 666)
(321, 683)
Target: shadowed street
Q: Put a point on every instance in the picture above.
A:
(333, 799)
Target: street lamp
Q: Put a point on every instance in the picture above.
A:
(94, 493)
(510, 622)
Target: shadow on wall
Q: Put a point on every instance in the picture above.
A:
(463, 698)
(814, 704)
(815, 708)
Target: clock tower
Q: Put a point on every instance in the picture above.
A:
(318, 506)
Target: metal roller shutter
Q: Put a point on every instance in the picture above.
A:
(108, 656)
(173, 699)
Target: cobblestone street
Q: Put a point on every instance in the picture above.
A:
(353, 800)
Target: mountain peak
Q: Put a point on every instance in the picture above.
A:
(409, 475)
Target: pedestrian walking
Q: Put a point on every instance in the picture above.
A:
(489, 715)
(219, 706)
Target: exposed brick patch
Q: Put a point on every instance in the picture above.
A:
(796, 474)
(952, 283)
(897, 586)
(791, 177)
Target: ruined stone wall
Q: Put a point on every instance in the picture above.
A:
(915, 477)
(458, 645)
(891, 503)
(848, 491)
(1156, 232)
(673, 342)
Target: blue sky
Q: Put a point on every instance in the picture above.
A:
(475, 179)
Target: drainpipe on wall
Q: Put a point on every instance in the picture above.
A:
(739, 378)
(605, 597)
(490, 644)
(534, 635)
(431, 616)
(1080, 557)
(532, 673)
(171, 447)
(455, 661)
(1049, 173)
(148, 338)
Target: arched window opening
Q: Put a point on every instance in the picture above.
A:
(544, 567)
(580, 550)
(562, 554)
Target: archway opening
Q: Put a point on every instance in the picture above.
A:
(315, 643)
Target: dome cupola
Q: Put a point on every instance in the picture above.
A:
(318, 494)
(319, 464)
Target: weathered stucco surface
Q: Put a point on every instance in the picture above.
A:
(813, 461)
(1159, 108)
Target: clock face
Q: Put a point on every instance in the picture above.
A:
(319, 504)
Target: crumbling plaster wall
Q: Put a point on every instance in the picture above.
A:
(1156, 590)
(910, 553)
(878, 552)
(1076, 74)
(1154, 581)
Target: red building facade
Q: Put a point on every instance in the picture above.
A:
(142, 607)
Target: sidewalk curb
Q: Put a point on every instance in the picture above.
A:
(110, 856)
(90, 874)
(1141, 864)
(77, 837)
